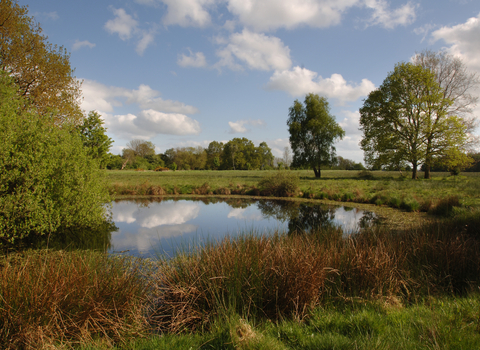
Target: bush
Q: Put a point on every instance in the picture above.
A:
(47, 181)
(280, 184)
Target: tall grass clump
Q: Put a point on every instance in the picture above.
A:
(256, 277)
(280, 184)
(284, 276)
(51, 298)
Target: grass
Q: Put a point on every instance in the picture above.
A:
(382, 288)
(376, 289)
(49, 298)
(380, 188)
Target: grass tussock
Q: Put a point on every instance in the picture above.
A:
(279, 184)
(52, 298)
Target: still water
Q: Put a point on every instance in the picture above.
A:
(150, 227)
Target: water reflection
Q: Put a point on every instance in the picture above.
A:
(164, 225)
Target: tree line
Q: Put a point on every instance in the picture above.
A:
(236, 154)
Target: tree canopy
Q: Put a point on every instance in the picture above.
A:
(406, 120)
(313, 131)
(41, 71)
(95, 138)
(48, 181)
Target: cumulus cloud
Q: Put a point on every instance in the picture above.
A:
(188, 12)
(79, 44)
(300, 81)
(126, 26)
(104, 98)
(123, 24)
(269, 15)
(167, 123)
(196, 60)
(265, 15)
(156, 115)
(240, 126)
(247, 214)
(389, 19)
(464, 40)
(256, 51)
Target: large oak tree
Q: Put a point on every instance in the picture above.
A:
(406, 120)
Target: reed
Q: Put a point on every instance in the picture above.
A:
(51, 298)
(282, 276)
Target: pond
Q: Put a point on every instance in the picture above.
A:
(164, 225)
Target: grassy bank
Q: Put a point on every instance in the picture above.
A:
(380, 188)
(375, 290)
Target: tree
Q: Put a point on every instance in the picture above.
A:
(406, 120)
(141, 148)
(48, 182)
(95, 138)
(457, 84)
(41, 71)
(265, 156)
(214, 154)
(313, 131)
(240, 154)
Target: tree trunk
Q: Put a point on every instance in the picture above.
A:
(427, 171)
(414, 170)
(317, 172)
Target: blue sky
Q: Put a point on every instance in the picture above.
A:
(187, 72)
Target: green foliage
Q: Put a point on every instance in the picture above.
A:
(41, 71)
(94, 137)
(406, 120)
(48, 182)
(313, 131)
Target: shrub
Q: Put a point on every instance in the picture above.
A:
(280, 184)
(48, 182)
(161, 168)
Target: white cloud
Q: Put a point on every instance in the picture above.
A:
(167, 123)
(300, 81)
(257, 51)
(464, 40)
(351, 122)
(123, 24)
(146, 39)
(149, 121)
(389, 19)
(188, 12)
(79, 44)
(104, 98)
(127, 27)
(240, 125)
(264, 15)
(270, 15)
(196, 60)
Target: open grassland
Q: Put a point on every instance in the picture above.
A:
(382, 188)
(377, 289)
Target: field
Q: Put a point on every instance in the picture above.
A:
(385, 287)
(381, 188)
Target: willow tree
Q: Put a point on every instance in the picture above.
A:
(41, 71)
(406, 120)
(313, 131)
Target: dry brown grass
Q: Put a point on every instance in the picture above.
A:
(52, 298)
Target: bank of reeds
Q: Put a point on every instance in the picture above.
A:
(286, 276)
(50, 299)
